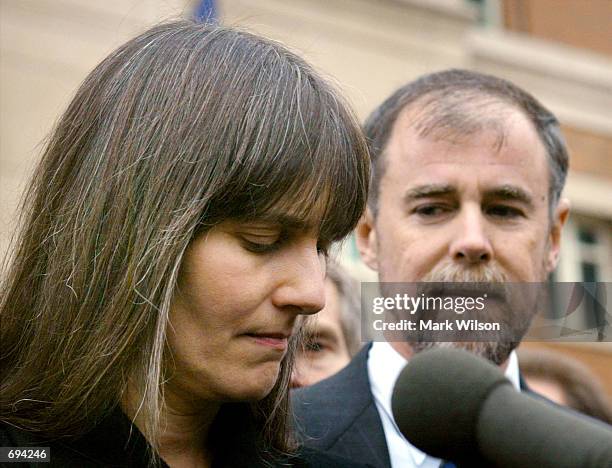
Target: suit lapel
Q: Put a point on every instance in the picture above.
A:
(339, 415)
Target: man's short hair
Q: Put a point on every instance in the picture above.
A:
(456, 102)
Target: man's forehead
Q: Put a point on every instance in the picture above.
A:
(423, 177)
(491, 191)
(515, 165)
(461, 113)
(510, 140)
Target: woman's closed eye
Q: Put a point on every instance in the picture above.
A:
(263, 243)
(260, 244)
(270, 240)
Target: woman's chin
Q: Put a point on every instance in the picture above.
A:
(255, 385)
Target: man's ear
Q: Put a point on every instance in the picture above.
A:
(365, 235)
(558, 221)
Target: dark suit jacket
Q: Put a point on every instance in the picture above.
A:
(338, 415)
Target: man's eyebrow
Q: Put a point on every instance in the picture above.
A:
(509, 192)
(429, 190)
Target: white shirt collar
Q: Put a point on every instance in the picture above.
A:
(512, 371)
(384, 367)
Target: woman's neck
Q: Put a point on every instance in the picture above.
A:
(185, 425)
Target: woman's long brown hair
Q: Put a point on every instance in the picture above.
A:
(177, 130)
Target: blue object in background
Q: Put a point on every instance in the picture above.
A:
(205, 12)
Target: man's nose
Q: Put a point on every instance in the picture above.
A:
(471, 244)
(302, 287)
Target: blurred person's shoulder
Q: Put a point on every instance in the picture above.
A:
(349, 386)
(325, 413)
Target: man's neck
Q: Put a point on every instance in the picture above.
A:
(403, 348)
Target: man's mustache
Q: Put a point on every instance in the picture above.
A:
(450, 273)
(492, 291)
(453, 280)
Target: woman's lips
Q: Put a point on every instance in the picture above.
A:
(274, 340)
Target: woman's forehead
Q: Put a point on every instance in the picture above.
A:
(290, 219)
(297, 211)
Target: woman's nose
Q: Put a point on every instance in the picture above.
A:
(303, 283)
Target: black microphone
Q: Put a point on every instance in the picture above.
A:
(456, 406)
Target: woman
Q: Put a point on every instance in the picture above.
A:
(173, 233)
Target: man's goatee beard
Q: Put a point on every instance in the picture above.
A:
(495, 351)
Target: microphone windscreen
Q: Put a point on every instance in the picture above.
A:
(437, 399)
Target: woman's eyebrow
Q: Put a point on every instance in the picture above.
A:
(286, 221)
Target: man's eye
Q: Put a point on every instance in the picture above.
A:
(431, 210)
(323, 247)
(504, 211)
(314, 347)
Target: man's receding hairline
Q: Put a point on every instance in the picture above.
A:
(422, 103)
(426, 105)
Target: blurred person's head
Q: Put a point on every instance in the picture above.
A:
(331, 338)
(468, 171)
(566, 382)
(174, 230)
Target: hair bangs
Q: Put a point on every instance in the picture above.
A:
(299, 152)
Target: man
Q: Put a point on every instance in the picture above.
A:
(331, 336)
(468, 173)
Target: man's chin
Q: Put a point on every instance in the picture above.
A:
(496, 352)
